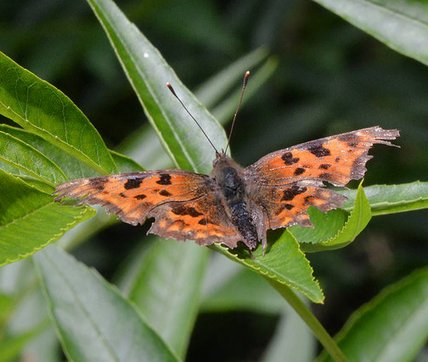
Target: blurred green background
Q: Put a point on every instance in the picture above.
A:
(331, 78)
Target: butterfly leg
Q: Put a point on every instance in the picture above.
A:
(261, 220)
(264, 244)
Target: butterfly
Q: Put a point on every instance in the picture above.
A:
(234, 204)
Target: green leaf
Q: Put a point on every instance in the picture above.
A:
(166, 289)
(148, 73)
(326, 226)
(28, 161)
(124, 163)
(284, 263)
(390, 199)
(357, 220)
(30, 219)
(94, 321)
(41, 108)
(70, 166)
(391, 327)
(400, 24)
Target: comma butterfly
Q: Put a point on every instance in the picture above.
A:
(235, 204)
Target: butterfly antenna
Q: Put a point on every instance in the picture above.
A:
(244, 86)
(190, 114)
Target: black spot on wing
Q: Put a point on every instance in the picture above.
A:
(288, 158)
(351, 139)
(288, 206)
(298, 171)
(165, 179)
(183, 210)
(140, 197)
(324, 166)
(123, 195)
(98, 183)
(291, 192)
(164, 193)
(319, 150)
(133, 183)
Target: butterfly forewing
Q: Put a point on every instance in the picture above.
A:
(337, 159)
(183, 204)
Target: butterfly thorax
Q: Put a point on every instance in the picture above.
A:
(228, 177)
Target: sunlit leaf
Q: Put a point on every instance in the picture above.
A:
(28, 161)
(285, 263)
(341, 235)
(390, 199)
(30, 219)
(41, 108)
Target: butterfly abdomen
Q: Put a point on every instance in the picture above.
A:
(243, 221)
(232, 188)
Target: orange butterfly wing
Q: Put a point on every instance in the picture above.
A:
(288, 205)
(184, 204)
(288, 181)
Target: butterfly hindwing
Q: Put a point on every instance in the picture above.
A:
(203, 220)
(288, 205)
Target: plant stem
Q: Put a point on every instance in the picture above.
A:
(313, 323)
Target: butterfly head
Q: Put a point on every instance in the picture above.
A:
(222, 161)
